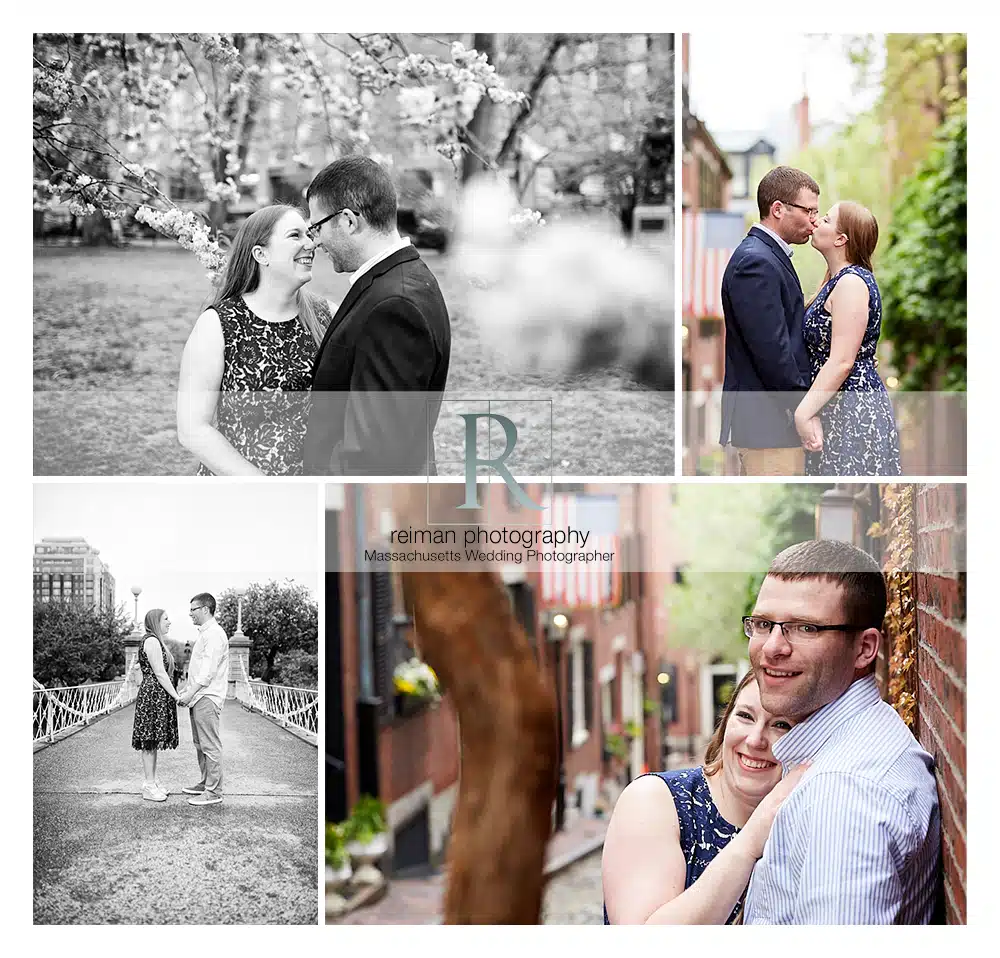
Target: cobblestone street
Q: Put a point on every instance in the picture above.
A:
(573, 896)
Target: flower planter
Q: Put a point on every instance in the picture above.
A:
(364, 855)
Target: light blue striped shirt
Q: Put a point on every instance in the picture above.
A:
(858, 840)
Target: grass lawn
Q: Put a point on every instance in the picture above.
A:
(109, 327)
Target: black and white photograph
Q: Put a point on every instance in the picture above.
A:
(175, 704)
(324, 254)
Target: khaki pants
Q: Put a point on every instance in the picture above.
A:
(205, 732)
(772, 462)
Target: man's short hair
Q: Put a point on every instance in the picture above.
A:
(206, 599)
(359, 184)
(782, 183)
(855, 571)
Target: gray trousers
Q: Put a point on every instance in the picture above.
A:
(207, 743)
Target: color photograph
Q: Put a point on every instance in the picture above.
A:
(824, 250)
(665, 704)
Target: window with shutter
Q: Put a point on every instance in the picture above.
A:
(383, 633)
(588, 684)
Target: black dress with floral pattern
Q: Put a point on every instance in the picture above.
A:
(859, 429)
(155, 724)
(703, 830)
(263, 405)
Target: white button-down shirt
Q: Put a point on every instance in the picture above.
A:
(209, 666)
(402, 243)
(858, 840)
(760, 226)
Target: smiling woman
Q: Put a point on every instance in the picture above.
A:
(684, 856)
(246, 370)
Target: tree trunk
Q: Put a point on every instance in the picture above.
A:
(508, 739)
(544, 71)
(479, 126)
(269, 671)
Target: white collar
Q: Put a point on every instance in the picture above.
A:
(788, 250)
(401, 243)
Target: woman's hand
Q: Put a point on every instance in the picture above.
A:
(810, 431)
(758, 827)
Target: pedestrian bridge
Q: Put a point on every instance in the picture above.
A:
(102, 855)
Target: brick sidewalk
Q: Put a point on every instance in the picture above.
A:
(418, 901)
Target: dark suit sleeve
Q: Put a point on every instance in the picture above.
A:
(394, 359)
(755, 294)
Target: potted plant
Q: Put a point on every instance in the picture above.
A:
(338, 861)
(366, 831)
(415, 684)
(632, 729)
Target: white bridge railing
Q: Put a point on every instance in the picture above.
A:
(291, 708)
(59, 709)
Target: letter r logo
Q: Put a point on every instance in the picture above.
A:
(472, 460)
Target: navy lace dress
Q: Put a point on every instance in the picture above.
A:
(263, 405)
(155, 723)
(704, 832)
(859, 429)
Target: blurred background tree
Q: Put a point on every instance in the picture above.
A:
(729, 535)
(281, 619)
(73, 643)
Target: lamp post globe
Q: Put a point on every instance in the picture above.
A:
(136, 591)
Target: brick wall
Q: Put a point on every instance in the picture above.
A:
(941, 654)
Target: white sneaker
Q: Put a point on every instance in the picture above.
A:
(153, 794)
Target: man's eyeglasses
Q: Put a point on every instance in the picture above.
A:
(194, 609)
(755, 626)
(312, 231)
(812, 212)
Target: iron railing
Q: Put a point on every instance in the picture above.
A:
(290, 707)
(60, 709)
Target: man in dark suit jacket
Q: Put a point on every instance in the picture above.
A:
(767, 368)
(381, 369)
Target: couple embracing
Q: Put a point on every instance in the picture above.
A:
(203, 694)
(815, 803)
(802, 393)
(275, 381)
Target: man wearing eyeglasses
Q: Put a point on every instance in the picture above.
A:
(381, 369)
(858, 840)
(767, 367)
(205, 696)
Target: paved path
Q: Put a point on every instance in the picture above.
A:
(570, 897)
(104, 856)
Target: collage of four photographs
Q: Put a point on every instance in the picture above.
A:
(499, 479)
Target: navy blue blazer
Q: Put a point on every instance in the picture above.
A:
(379, 375)
(767, 367)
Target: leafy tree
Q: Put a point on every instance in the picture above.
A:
(75, 644)
(730, 534)
(924, 269)
(282, 620)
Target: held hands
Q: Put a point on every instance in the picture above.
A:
(758, 826)
(810, 432)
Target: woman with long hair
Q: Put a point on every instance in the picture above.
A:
(845, 420)
(246, 371)
(155, 724)
(682, 855)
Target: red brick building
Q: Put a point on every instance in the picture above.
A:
(604, 660)
(919, 534)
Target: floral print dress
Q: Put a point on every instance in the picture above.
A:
(155, 724)
(703, 830)
(859, 429)
(263, 405)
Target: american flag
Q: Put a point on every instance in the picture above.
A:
(582, 585)
(709, 238)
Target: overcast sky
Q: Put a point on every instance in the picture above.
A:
(177, 539)
(747, 82)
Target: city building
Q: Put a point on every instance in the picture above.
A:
(627, 702)
(70, 570)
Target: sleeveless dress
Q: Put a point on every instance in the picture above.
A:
(155, 725)
(263, 405)
(703, 830)
(859, 429)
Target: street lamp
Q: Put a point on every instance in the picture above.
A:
(556, 634)
(240, 592)
(136, 591)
